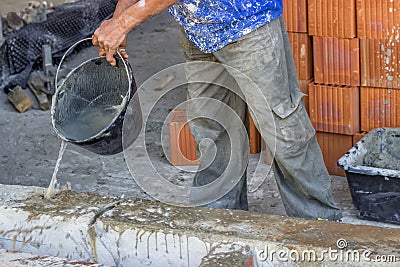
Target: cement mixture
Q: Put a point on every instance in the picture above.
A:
(382, 160)
(384, 151)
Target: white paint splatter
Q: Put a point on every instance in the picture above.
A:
(246, 31)
(211, 24)
(141, 3)
(390, 50)
(192, 8)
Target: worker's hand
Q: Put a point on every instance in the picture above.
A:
(110, 36)
(121, 49)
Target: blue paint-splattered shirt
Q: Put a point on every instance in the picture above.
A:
(212, 24)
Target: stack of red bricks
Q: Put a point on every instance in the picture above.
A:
(334, 95)
(379, 33)
(295, 14)
(355, 57)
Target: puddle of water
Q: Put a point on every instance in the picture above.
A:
(51, 190)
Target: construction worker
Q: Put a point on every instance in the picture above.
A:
(249, 37)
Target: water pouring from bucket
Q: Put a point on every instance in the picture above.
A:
(89, 106)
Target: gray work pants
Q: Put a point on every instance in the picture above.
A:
(258, 70)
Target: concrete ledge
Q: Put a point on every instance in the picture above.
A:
(135, 232)
(18, 259)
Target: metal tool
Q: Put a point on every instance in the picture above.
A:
(49, 71)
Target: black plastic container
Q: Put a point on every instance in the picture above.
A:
(95, 86)
(372, 170)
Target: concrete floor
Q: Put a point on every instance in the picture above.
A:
(29, 146)
(136, 232)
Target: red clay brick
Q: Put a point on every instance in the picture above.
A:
(301, 45)
(182, 144)
(380, 107)
(334, 109)
(332, 18)
(295, 15)
(254, 137)
(333, 147)
(380, 65)
(336, 61)
(378, 19)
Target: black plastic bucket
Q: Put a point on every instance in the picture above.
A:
(89, 106)
(373, 174)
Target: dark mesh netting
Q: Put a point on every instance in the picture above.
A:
(68, 24)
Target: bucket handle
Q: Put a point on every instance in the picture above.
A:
(72, 47)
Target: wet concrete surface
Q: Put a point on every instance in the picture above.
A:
(29, 146)
(137, 232)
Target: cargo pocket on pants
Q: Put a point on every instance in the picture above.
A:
(294, 130)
